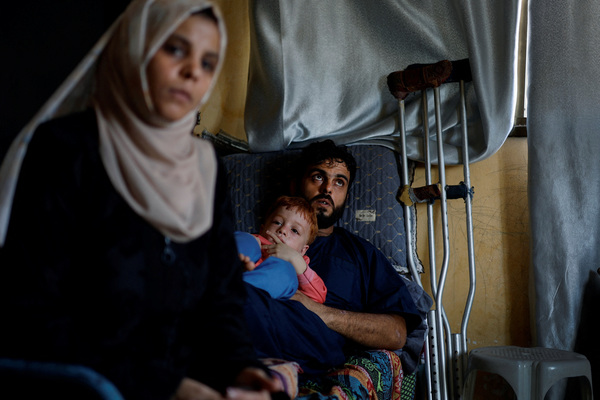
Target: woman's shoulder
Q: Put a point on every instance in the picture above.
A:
(73, 129)
(64, 145)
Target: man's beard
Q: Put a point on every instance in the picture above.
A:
(323, 220)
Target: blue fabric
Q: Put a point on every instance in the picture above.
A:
(359, 277)
(274, 275)
(287, 330)
(24, 378)
(247, 245)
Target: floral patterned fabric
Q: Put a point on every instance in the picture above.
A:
(374, 374)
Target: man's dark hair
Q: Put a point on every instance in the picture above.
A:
(318, 152)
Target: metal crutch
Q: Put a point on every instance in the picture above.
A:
(430, 352)
(442, 382)
(456, 343)
(435, 359)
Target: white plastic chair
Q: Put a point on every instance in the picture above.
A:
(531, 372)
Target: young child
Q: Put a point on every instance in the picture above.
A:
(274, 258)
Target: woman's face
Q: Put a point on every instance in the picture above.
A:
(182, 69)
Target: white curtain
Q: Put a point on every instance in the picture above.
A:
(318, 69)
(564, 163)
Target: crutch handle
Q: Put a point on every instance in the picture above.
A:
(418, 77)
(408, 195)
(422, 76)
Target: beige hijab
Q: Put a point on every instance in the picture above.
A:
(165, 174)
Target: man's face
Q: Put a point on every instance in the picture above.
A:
(325, 186)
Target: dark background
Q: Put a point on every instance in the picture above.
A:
(41, 42)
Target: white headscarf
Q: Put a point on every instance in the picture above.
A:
(165, 174)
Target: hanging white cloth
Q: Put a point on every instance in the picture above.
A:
(564, 144)
(318, 69)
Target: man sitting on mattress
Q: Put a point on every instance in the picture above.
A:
(368, 305)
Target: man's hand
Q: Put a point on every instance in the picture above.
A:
(375, 331)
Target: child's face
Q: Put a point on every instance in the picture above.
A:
(290, 227)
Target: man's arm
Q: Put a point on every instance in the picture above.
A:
(375, 331)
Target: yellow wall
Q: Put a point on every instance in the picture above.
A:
(225, 109)
(500, 315)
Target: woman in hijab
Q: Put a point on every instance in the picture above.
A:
(117, 254)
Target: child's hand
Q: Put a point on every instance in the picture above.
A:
(281, 250)
(248, 264)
